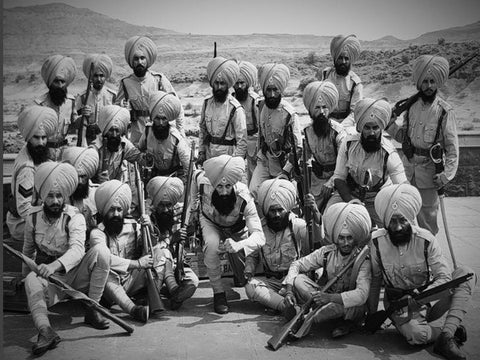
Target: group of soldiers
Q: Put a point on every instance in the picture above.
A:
(301, 203)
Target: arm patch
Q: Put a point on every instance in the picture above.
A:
(25, 192)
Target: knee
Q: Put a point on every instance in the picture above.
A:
(462, 270)
(252, 288)
(415, 333)
(31, 281)
(101, 254)
(301, 286)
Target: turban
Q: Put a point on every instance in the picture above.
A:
(277, 192)
(161, 103)
(164, 188)
(224, 169)
(350, 44)
(320, 92)
(113, 193)
(403, 199)
(223, 69)
(58, 66)
(430, 66)
(52, 176)
(143, 44)
(273, 74)
(352, 217)
(370, 110)
(35, 118)
(113, 115)
(84, 160)
(101, 63)
(248, 73)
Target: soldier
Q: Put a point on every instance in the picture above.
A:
(36, 124)
(223, 128)
(248, 98)
(165, 193)
(277, 121)
(134, 90)
(228, 217)
(167, 150)
(100, 95)
(55, 238)
(429, 121)
(409, 259)
(286, 240)
(58, 72)
(348, 227)
(345, 51)
(367, 161)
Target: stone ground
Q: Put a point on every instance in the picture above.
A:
(196, 332)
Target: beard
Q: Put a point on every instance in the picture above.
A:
(241, 94)
(273, 102)
(220, 95)
(342, 69)
(321, 125)
(400, 237)
(98, 85)
(113, 225)
(277, 223)
(57, 95)
(113, 143)
(224, 203)
(371, 143)
(428, 98)
(164, 221)
(161, 133)
(140, 71)
(53, 211)
(38, 153)
(81, 192)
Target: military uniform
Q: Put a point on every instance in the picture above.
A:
(88, 208)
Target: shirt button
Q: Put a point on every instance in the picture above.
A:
(421, 123)
(401, 254)
(403, 266)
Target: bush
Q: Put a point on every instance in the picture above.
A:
(304, 82)
(405, 59)
(467, 127)
(441, 41)
(19, 78)
(311, 58)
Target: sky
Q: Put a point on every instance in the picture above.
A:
(368, 19)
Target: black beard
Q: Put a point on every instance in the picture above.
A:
(164, 221)
(81, 192)
(161, 133)
(113, 143)
(220, 95)
(400, 237)
(342, 69)
(241, 94)
(113, 225)
(371, 143)
(57, 95)
(321, 125)
(278, 223)
(53, 211)
(140, 71)
(38, 153)
(98, 85)
(273, 102)
(428, 98)
(224, 203)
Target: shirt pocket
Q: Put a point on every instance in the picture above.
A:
(287, 253)
(429, 134)
(417, 273)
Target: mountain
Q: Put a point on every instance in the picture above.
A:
(455, 34)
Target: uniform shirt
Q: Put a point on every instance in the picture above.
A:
(213, 122)
(353, 287)
(87, 206)
(22, 181)
(64, 239)
(250, 104)
(165, 237)
(423, 126)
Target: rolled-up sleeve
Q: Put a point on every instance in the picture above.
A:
(240, 125)
(312, 261)
(77, 230)
(256, 239)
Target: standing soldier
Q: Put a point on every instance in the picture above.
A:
(277, 121)
(248, 98)
(134, 90)
(99, 95)
(428, 122)
(36, 124)
(345, 51)
(223, 128)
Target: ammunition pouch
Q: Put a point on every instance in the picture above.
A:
(318, 169)
(408, 148)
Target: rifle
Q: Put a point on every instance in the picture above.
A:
(306, 190)
(67, 289)
(87, 94)
(154, 300)
(375, 321)
(179, 272)
(296, 167)
(276, 341)
(214, 49)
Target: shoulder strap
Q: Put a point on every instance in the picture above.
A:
(254, 116)
(297, 250)
(174, 154)
(352, 90)
(34, 225)
(124, 89)
(380, 262)
(439, 125)
(232, 114)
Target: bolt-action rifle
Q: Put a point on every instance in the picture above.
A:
(85, 99)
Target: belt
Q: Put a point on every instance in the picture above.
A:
(422, 152)
(221, 141)
(57, 144)
(276, 274)
(318, 169)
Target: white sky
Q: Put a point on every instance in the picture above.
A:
(368, 19)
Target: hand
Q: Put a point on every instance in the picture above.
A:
(440, 180)
(145, 220)
(145, 262)
(248, 276)
(289, 298)
(103, 177)
(86, 110)
(320, 298)
(179, 235)
(232, 246)
(201, 158)
(45, 270)
(125, 103)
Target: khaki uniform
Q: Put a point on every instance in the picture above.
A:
(251, 111)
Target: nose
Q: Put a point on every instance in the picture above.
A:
(116, 212)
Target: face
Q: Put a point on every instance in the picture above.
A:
(139, 63)
(59, 83)
(428, 86)
(164, 206)
(345, 242)
(320, 109)
(342, 64)
(114, 212)
(273, 96)
(53, 204)
(220, 90)
(224, 189)
(277, 218)
(98, 80)
(241, 90)
(39, 138)
(399, 230)
(372, 130)
(58, 91)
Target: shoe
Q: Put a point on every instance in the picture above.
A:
(220, 303)
(184, 292)
(239, 282)
(47, 339)
(344, 328)
(460, 335)
(95, 319)
(140, 313)
(446, 346)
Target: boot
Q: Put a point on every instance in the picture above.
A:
(169, 279)
(344, 328)
(140, 313)
(184, 292)
(95, 319)
(447, 347)
(220, 304)
(460, 335)
(47, 339)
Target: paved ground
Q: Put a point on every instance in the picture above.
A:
(196, 332)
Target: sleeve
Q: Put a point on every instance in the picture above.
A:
(28, 245)
(142, 144)
(78, 102)
(376, 280)
(251, 261)
(450, 140)
(357, 95)
(398, 129)
(240, 125)
(77, 230)
(117, 263)
(183, 151)
(440, 270)
(359, 295)
(256, 239)
(202, 145)
(395, 168)
(341, 170)
(24, 190)
(312, 261)
(297, 134)
(132, 154)
(301, 234)
(120, 93)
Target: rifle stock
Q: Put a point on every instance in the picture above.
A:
(85, 100)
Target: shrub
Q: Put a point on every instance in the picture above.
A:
(441, 41)
(19, 78)
(467, 127)
(405, 59)
(304, 82)
(311, 58)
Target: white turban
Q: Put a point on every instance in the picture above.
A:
(352, 217)
(143, 44)
(224, 169)
(403, 199)
(430, 66)
(274, 74)
(53, 176)
(58, 66)
(101, 64)
(84, 159)
(113, 115)
(164, 188)
(350, 44)
(113, 193)
(320, 92)
(371, 110)
(223, 69)
(276, 192)
(248, 73)
(35, 118)
(161, 103)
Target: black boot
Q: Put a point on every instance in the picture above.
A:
(345, 327)
(95, 319)
(460, 335)
(47, 339)
(448, 347)
(220, 304)
(184, 292)
(140, 313)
